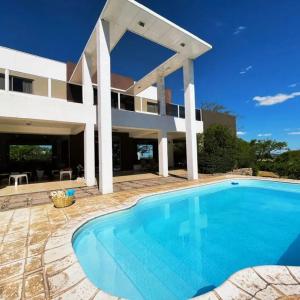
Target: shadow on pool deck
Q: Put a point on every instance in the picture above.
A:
(291, 256)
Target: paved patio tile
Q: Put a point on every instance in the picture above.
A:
(11, 290)
(269, 293)
(275, 274)
(33, 263)
(34, 285)
(66, 279)
(13, 269)
(248, 281)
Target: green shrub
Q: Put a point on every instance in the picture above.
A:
(217, 151)
(288, 164)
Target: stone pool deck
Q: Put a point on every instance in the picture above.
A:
(37, 259)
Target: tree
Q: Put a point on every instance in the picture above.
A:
(245, 154)
(215, 107)
(218, 152)
(288, 164)
(264, 148)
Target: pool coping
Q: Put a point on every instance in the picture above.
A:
(67, 279)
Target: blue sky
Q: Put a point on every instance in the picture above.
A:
(253, 68)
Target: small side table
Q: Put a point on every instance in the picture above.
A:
(62, 173)
(17, 177)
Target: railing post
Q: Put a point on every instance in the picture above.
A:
(6, 80)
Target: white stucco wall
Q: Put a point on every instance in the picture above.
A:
(31, 64)
(130, 119)
(25, 106)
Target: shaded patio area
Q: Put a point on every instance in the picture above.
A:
(28, 195)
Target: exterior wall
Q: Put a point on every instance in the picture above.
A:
(129, 119)
(211, 118)
(32, 64)
(26, 106)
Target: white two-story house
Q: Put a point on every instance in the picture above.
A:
(84, 115)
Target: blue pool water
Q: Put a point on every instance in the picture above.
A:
(181, 244)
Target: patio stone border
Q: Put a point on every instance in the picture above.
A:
(67, 280)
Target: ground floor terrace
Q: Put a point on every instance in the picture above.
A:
(37, 260)
(39, 158)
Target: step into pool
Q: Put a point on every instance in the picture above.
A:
(182, 244)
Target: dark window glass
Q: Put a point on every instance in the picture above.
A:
(152, 107)
(95, 96)
(171, 110)
(181, 112)
(127, 102)
(114, 100)
(198, 115)
(74, 93)
(2, 82)
(18, 84)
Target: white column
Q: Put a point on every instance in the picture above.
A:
(89, 154)
(49, 87)
(87, 85)
(6, 80)
(104, 108)
(171, 153)
(163, 153)
(161, 96)
(190, 124)
(89, 132)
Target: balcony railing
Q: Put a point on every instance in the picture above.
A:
(178, 111)
(143, 105)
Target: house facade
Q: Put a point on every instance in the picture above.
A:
(85, 116)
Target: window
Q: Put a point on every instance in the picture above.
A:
(198, 115)
(127, 102)
(171, 110)
(2, 82)
(30, 152)
(18, 84)
(144, 151)
(181, 112)
(152, 107)
(114, 100)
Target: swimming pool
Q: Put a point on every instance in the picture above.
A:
(184, 243)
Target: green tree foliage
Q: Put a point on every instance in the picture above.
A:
(30, 152)
(217, 151)
(288, 164)
(264, 148)
(215, 107)
(245, 154)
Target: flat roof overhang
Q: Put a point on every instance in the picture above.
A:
(129, 15)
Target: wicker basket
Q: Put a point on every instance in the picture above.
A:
(60, 202)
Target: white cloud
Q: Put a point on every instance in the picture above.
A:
(239, 29)
(294, 133)
(247, 69)
(241, 133)
(264, 134)
(271, 100)
(292, 85)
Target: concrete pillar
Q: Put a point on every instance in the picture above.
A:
(87, 85)
(49, 87)
(190, 124)
(163, 153)
(89, 131)
(89, 154)
(171, 153)
(6, 80)
(161, 96)
(104, 108)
